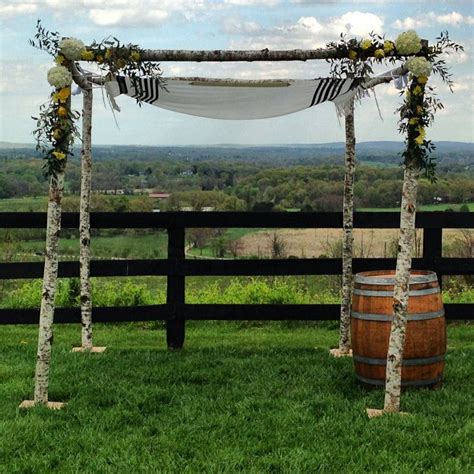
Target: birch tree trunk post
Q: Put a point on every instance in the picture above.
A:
(84, 221)
(401, 291)
(344, 348)
(45, 335)
(396, 345)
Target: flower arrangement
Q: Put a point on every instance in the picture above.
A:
(71, 48)
(408, 43)
(356, 59)
(419, 66)
(59, 77)
(56, 123)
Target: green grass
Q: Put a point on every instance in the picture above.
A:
(152, 245)
(421, 207)
(24, 204)
(252, 400)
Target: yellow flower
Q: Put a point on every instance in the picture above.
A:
(59, 59)
(121, 63)
(108, 54)
(135, 56)
(422, 79)
(99, 59)
(421, 137)
(59, 155)
(57, 133)
(352, 54)
(417, 90)
(366, 44)
(62, 95)
(62, 111)
(87, 55)
(388, 46)
(379, 53)
(413, 120)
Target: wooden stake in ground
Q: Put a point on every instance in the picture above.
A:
(84, 220)
(400, 298)
(348, 225)
(45, 336)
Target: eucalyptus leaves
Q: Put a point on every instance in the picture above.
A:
(357, 58)
(56, 123)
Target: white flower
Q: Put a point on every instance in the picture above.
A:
(71, 48)
(408, 43)
(59, 77)
(419, 66)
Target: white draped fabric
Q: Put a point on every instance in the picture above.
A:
(234, 99)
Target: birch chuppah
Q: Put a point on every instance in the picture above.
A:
(114, 58)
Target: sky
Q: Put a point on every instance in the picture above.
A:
(230, 24)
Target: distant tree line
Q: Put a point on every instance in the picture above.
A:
(229, 184)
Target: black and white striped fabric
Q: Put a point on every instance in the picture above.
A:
(234, 99)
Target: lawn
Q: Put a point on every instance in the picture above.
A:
(261, 399)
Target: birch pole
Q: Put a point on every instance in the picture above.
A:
(348, 225)
(84, 220)
(406, 244)
(45, 336)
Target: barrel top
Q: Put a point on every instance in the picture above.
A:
(387, 277)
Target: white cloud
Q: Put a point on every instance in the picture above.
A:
(428, 19)
(357, 23)
(409, 23)
(127, 17)
(309, 32)
(14, 9)
(114, 12)
(252, 2)
(233, 25)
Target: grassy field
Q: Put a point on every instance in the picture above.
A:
(146, 245)
(39, 203)
(423, 207)
(250, 400)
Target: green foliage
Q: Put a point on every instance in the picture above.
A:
(255, 291)
(104, 293)
(460, 293)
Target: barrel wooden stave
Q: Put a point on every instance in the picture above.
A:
(425, 346)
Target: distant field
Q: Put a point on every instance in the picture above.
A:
(152, 245)
(25, 204)
(424, 207)
(40, 203)
(32, 204)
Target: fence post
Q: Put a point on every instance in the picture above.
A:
(175, 329)
(433, 248)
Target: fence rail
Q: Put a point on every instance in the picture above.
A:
(176, 267)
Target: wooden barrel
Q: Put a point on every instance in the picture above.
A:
(425, 345)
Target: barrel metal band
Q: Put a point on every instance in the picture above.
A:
(427, 291)
(407, 383)
(373, 280)
(405, 362)
(389, 317)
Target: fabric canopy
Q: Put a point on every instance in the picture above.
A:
(232, 99)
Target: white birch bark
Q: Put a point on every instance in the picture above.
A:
(400, 298)
(45, 335)
(84, 221)
(348, 239)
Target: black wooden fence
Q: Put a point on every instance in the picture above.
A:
(176, 267)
